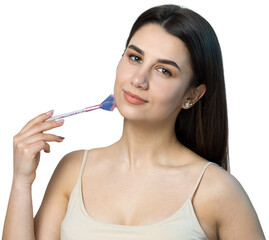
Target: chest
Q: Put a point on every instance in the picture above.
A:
(128, 199)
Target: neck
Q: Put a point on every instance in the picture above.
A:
(147, 144)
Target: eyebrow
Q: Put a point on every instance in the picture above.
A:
(165, 61)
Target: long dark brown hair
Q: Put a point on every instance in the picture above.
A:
(204, 127)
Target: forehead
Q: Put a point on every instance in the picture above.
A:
(154, 40)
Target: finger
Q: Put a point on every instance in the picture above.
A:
(40, 118)
(38, 146)
(41, 127)
(42, 137)
(46, 148)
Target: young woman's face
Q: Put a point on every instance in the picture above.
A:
(152, 76)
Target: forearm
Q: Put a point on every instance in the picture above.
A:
(19, 223)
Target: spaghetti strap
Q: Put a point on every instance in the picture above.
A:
(83, 164)
(200, 178)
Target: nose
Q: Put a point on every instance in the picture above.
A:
(140, 80)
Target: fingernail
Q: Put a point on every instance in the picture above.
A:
(62, 138)
(60, 120)
(50, 112)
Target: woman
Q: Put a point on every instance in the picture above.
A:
(161, 180)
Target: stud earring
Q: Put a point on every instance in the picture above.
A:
(187, 104)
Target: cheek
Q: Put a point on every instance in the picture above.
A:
(120, 81)
(121, 75)
(170, 97)
(123, 72)
(116, 90)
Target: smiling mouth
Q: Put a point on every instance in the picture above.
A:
(134, 99)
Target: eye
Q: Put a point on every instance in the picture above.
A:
(135, 58)
(164, 71)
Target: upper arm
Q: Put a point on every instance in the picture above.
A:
(53, 207)
(236, 218)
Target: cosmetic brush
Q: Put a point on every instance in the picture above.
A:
(108, 104)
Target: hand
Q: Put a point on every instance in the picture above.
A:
(27, 145)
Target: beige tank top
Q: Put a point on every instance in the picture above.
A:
(79, 225)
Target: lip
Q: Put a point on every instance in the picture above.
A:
(134, 99)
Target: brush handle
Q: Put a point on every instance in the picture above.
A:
(74, 112)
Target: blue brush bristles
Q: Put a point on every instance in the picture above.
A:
(109, 103)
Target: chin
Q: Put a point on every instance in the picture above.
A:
(131, 112)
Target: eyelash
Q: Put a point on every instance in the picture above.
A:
(165, 71)
(135, 58)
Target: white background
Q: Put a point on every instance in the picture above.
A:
(63, 55)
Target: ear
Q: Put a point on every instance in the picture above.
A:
(193, 96)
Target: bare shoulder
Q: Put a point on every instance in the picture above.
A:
(68, 169)
(235, 215)
(224, 187)
(51, 213)
(65, 174)
(223, 183)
